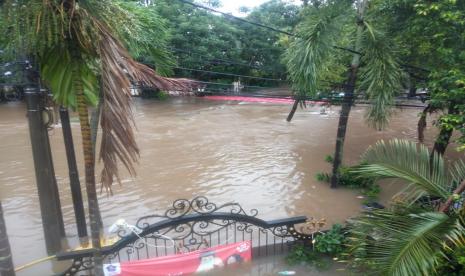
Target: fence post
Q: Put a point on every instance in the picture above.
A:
(50, 207)
(73, 176)
(6, 259)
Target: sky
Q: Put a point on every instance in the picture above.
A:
(233, 6)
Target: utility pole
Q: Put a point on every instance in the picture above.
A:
(6, 259)
(74, 176)
(50, 207)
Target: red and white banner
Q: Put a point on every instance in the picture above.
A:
(184, 264)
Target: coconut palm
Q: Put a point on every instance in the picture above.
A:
(426, 220)
(81, 47)
(330, 37)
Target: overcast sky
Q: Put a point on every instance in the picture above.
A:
(234, 5)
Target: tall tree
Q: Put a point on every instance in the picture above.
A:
(76, 43)
(204, 40)
(431, 35)
(316, 54)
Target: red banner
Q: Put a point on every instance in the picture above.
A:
(184, 264)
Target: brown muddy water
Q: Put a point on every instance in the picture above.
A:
(227, 151)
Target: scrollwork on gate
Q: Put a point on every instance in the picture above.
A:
(199, 205)
(191, 225)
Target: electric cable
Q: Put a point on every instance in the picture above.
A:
(228, 74)
(280, 31)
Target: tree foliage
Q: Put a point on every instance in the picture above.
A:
(315, 57)
(431, 35)
(203, 40)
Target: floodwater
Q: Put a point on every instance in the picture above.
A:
(227, 151)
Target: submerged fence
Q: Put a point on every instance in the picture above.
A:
(191, 225)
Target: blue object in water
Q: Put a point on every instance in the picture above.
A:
(286, 273)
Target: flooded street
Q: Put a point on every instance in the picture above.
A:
(227, 151)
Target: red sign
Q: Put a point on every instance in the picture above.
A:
(186, 263)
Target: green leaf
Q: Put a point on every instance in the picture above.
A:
(410, 162)
(405, 241)
(57, 69)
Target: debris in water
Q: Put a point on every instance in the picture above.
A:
(286, 273)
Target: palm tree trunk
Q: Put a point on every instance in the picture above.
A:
(422, 123)
(94, 120)
(348, 99)
(89, 166)
(342, 126)
(6, 260)
(294, 108)
(459, 190)
(442, 140)
(412, 91)
(89, 162)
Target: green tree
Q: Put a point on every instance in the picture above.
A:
(425, 224)
(312, 57)
(203, 40)
(199, 39)
(263, 47)
(431, 35)
(75, 44)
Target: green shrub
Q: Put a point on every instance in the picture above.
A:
(162, 95)
(323, 177)
(331, 242)
(305, 254)
(329, 159)
(350, 179)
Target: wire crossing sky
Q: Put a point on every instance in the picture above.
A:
(232, 6)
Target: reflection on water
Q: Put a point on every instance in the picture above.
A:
(273, 265)
(226, 151)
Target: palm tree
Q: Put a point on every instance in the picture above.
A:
(426, 221)
(316, 54)
(77, 43)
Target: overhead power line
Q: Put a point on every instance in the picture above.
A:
(255, 23)
(227, 61)
(281, 31)
(228, 74)
(237, 18)
(226, 84)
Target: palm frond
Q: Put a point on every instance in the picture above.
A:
(382, 76)
(140, 29)
(56, 69)
(406, 241)
(309, 55)
(118, 68)
(410, 162)
(457, 173)
(32, 26)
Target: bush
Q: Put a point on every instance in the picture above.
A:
(352, 180)
(331, 242)
(304, 254)
(323, 177)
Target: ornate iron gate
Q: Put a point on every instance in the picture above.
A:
(191, 225)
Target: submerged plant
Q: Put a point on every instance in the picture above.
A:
(424, 225)
(301, 254)
(331, 242)
(350, 178)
